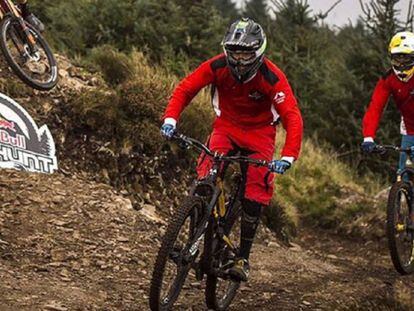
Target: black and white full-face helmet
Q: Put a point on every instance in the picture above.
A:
(244, 45)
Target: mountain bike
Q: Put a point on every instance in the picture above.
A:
(400, 217)
(201, 229)
(25, 50)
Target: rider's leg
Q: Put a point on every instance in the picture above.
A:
(29, 16)
(257, 195)
(250, 221)
(258, 192)
(407, 141)
(24, 8)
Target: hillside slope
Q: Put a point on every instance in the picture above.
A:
(86, 237)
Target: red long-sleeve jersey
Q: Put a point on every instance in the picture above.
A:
(403, 94)
(263, 100)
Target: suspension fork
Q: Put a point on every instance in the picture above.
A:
(203, 223)
(26, 31)
(30, 38)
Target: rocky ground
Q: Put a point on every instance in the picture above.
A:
(68, 243)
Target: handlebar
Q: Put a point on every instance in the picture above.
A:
(191, 142)
(384, 148)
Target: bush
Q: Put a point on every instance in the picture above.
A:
(318, 187)
(115, 67)
(177, 31)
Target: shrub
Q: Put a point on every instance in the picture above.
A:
(115, 67)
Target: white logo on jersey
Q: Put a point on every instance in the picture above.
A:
(279, 98)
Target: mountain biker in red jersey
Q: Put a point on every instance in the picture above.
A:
(30, 17)
(250, 95)
(397, 82)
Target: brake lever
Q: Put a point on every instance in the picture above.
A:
(184, 145)
(380, 150)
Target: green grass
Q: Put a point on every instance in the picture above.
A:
(321, 190)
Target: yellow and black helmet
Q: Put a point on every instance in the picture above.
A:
(401, 50)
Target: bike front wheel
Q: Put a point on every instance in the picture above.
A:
(176, 256)
(34, 64)
(221, 289)
(400, 227)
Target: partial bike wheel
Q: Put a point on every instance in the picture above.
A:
(400, 227)
(175, 257)
(220, 287)
(38, 69)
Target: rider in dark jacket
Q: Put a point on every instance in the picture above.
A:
(30, 17)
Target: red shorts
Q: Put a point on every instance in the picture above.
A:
(261, 144)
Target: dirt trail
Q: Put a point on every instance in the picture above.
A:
(67, 243)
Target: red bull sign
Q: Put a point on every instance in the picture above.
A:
(24, 145)
(4, 124)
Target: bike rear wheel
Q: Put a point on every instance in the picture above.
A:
(400, 230)
(37, 69)
(220, 287)
(174, 260)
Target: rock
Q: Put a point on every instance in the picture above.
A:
(149, 212)
(122, 239)
(59, 223)
(273, 244)
(55, 307)
(147, 197)
(295, 247)
(124, 203)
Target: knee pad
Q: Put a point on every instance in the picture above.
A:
(251, 212)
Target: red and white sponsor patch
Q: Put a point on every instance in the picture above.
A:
(279, 97)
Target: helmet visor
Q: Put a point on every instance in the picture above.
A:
(402, 62)
(242, 57)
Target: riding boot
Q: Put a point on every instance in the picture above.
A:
(250, 221)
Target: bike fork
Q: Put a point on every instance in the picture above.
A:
(27, 34)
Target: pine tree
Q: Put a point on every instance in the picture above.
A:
(226, 8)
(44, 144)
(201, 29)
(257, 10)
(294, 13)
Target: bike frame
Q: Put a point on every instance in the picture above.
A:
(408, 170)
(216, 206)
(213, 187)
(7, 7)
(400, 175)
